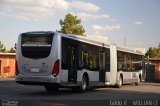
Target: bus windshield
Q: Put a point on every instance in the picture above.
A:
(36, 45)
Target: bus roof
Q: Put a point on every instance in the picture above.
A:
(105, 44)
(92, 41)
(87, 40)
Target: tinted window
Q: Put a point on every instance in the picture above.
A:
(107, 53)
(36, 45)
(87, 54)
(128, 61)
(64, 53)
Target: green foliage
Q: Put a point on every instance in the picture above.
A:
(71, 25)
(153, 52)
(13, 50)
(2, 48)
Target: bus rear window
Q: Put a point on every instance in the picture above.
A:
(36, 45)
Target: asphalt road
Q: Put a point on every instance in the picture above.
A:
(36, 95)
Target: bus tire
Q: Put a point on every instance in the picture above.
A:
(83, 86)
(137, 83)
(51, 88)
(120, 82)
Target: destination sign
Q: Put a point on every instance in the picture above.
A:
(40, 44)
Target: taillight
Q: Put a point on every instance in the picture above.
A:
(17, 69)
(55, 70)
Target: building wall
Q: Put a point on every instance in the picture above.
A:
(159, 72)
(7, 65)
(156, 63)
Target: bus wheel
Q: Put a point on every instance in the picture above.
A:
(51, 88)
(83, 86)
(120, 82)
(137, 83)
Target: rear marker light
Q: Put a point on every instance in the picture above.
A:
(55, 70)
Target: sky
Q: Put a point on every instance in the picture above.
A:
(133, 23)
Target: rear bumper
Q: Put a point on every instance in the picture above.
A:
(36, 80)
(43, 80)
(36, 83)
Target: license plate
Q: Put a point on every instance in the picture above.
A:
(35, 70)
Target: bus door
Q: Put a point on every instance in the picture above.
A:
(101, 66)
(72, 63)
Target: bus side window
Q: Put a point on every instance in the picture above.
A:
(120, 61)
(93, 58)
(107, 52)
(83, 57)
(81, 64)
(120, 65)
(64, 54)
(88, 58)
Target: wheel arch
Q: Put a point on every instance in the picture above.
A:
(120, 75)
(140, 77)
(87, 76)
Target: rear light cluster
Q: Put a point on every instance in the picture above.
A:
(17, 69)
(55, 70)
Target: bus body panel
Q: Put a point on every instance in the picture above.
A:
(107, 79)
(130, 77)
(63, 76)
(93, 75)
(113, 65)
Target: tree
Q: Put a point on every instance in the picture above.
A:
(2, 48)
(153, 52)
(15, 46)
(71, 25)
(13, 50)
(159, 46)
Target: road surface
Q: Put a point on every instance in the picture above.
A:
(36, 95)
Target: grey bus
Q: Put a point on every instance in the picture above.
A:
(55, 60)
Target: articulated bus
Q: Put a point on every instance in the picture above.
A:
(55, 60)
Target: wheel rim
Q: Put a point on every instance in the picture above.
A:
(84, 84)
